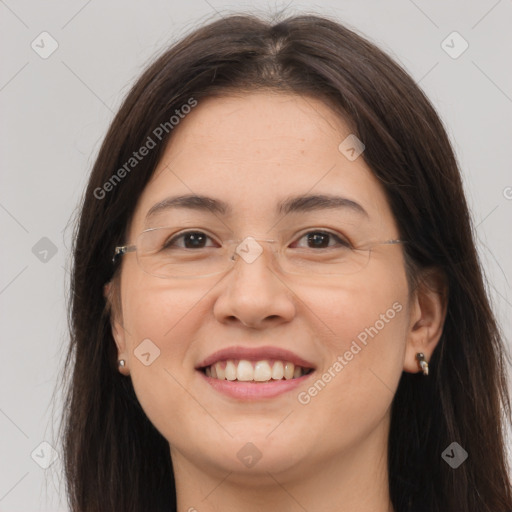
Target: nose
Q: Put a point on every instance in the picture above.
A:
(254, 293)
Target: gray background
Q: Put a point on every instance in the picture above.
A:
(55, 112)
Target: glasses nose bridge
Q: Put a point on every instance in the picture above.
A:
(250, 248)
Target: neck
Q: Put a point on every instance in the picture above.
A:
(353, 480)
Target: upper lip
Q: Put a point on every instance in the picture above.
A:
(254, 354)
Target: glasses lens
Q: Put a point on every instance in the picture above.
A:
(175, 252)
(333, 261)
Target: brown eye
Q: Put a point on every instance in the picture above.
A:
(191, 240)
(321, 239)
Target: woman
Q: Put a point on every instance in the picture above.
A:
(276, 299)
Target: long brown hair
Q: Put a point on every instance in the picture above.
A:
(114, 458)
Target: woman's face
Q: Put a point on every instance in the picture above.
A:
(252, 152)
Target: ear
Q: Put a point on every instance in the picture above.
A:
(111, 293)
(427, 316)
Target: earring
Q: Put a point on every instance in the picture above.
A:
(121, 363)
(420, 356)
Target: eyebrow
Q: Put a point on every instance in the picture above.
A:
(300, 203)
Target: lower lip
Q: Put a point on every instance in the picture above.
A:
(254, 390)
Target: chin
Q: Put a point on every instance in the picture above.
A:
(255, 452)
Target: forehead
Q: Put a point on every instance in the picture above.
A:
(252, 126)
(254, 150)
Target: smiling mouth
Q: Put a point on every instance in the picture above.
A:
(243, 370)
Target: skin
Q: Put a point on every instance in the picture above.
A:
(252, 150)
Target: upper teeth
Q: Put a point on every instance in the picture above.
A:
(259, 371)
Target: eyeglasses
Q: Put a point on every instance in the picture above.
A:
(159, 255)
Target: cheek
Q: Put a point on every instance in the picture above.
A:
(160, 327)
(364, 324)
(359, 309)
(161, 311)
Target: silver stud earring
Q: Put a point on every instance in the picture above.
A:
(420, 356)
(121, 363)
